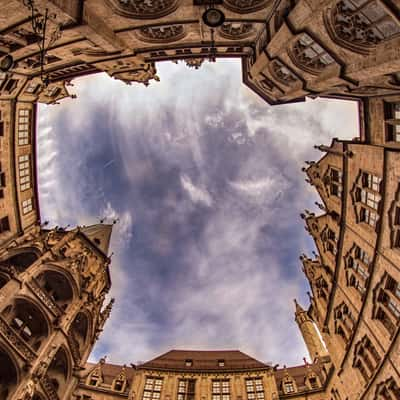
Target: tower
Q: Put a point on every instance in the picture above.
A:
(52, 287)
(310, 334)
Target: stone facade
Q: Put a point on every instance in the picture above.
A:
(53, 282)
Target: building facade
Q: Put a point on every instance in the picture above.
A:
(53, 282)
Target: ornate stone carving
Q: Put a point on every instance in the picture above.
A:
(360, 26)
(16, 342)
(141, 74)
(44, 298)
(162, 33)
(282, 73)
(143, 9)
(309, 55)
(74, 346)
(245, 6)
(49, 388)
(195, 63)
(236, 30)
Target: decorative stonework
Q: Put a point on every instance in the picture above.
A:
(161, 34)
(387, 389)
(344, 322)
(282, 73)
(44, 298)
(360, 26)
(309, 55)
(195, 63)
(394, 221)
(236, 30)
(143, 9)
(245, 6)
(49, 388)
(15, 341)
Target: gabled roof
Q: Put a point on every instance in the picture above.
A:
(99, 235)
(204, 360)
(111, 372)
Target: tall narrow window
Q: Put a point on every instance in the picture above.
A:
(24, 172)
(255, 389)
(358, 264)
(27, 206)
(23, 126)
(186, 389)
(220, 389)
(4, 224)
(1, 126)
(152, 389)
(392, 121)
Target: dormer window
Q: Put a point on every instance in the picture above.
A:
(221, 363)
(188, 363)
(119, 385)
(288, 387)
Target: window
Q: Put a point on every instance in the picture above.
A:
(186, 389)
(313, 382)
(188, 363)
(371, 181)
(23, 126)
(358, 268)
(368, 216)
(2, 183)
(366, 357)
(335, 182)
(254, 389)
(392, 121)
(27, 206)
(310, 55)
(4, 224)
(359, 25)
(221, 363)
(32, 88)
(10, 85)
(24, 172)
(152, 389)
(118, 385)
(220, 389)
(1, 126)
(288, 387)
(282, 73)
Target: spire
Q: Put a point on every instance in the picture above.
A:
(299, 308)
(99, 235)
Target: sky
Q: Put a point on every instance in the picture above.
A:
(205, 179)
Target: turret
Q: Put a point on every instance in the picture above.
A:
(310, 333)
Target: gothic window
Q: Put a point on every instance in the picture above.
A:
(344, 322)
(57, 287)
(186, 389)
(255, 389)
(163, 33)
(361, 25)
(245, 6)
(236, 30)
(387, 303)
(321, 288)
(2, 182)
(24, 167)
(28, 322)
(282, 73)
(27, 206)
(78, 333)
(387, 390)
(367, 197)
(358, 264)
(333, 182)
(144, 9)
(152, 389)
(309, 55)
(23, 126)
(4, 224)
(366, 358)
(392, 121)
(1, 124)
(329, 240)
(57, 373)
(220, 389)
(95, 378)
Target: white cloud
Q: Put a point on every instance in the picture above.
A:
(196, 193)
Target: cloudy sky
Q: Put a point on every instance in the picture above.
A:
(206, 181)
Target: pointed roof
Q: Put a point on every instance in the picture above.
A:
(194, 360)
(299, 308)
(99, 235)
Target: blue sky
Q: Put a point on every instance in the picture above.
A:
(206, 181)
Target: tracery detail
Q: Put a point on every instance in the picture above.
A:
(163, 33)
(236, 30)
(362, 25)
(244, 6)
(282, 73)
(309, 55)
(143, 9)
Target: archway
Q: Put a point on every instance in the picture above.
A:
(57, 286)
(79, 331)
(58, 371)
(8, 375)
(21, 261)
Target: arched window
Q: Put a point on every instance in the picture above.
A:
(21, 261)
(57, 287)
(366, 357)
(28, 321)
(361, 25)
(309, 55)
(78, 335)
(58, 371)
(8, 375)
